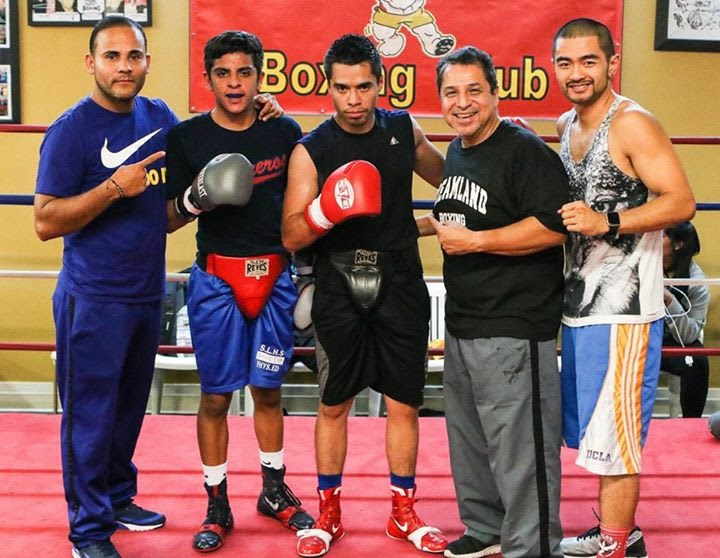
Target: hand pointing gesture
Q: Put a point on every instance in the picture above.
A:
(131, 180)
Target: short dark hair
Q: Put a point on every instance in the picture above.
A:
(685, 245)
(114, 21)
(233, 41)
(353, 49)
(586, 27)
(468, 56)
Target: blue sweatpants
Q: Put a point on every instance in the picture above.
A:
(105, 360)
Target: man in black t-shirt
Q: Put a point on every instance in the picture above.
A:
(371, 307)
(240, 295)
(496, 219)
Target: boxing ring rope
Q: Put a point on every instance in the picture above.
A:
(428, 204)
(677, 140)
(309, 351)
(27, 199)
(23, 128)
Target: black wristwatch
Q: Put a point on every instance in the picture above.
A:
(613, 221)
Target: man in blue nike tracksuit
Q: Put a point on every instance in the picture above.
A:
(100, 185)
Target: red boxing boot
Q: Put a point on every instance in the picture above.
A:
(328, 528)
(404, 523)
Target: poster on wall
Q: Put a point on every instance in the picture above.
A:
(688, 26)
(411, 36)
(86, 12)
(9, 63)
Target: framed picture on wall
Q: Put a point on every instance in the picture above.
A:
(6, 88)
(86, 12)
(9, 63)
(4, 25)
(688, 25)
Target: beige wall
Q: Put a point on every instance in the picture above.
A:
(680, 88)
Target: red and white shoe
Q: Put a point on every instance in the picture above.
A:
(404, 524)
(328, 528)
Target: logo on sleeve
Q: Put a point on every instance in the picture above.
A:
(114, 159)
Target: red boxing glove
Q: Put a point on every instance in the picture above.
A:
(352, 190)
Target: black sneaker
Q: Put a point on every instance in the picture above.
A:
(588, 544)
(102, 549)
(276, 500)
(470, 547)
(218, 522)
(132, 517)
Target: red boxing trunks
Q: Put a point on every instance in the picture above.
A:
(251, 278)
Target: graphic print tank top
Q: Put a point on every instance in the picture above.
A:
(609, 279)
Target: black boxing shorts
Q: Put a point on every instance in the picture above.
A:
(383, 348)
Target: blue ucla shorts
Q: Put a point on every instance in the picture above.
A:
(609, 381)
(232, 351)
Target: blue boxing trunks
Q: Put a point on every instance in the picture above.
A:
(231, 350)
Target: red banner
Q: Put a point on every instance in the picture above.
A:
(410, 34)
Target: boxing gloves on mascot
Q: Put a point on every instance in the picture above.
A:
(226, 180)
(352, 190)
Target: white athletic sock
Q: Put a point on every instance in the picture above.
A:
(274, 459)
(214, 474)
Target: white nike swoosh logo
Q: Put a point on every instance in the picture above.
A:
(112, 159)
(403, 527)
(335, 528)
(273, 505)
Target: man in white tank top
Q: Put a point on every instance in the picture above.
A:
(626, 185)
